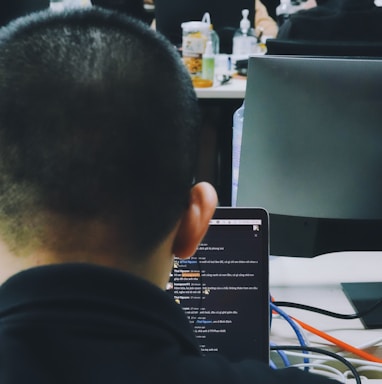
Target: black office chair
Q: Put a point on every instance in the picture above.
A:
(324, 48)
(133, 8)
(12, 9)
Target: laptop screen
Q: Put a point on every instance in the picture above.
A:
(223, 288)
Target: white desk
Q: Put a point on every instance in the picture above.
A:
(235, 89)
(316, 282)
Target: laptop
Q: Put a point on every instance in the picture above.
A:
(225, 17)
(223, 288)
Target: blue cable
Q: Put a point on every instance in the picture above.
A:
(283, 356)
(292, 324)
(272, 365)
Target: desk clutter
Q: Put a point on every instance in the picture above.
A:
(201, 47)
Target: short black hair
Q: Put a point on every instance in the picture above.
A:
(98, 120)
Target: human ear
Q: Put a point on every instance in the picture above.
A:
(194, 222)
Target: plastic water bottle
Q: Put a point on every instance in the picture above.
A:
(237, 129)
(213, 36)
(215, 40)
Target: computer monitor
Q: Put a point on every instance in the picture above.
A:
(225, 17)
(311, 153)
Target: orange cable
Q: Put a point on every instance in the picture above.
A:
(339, 343)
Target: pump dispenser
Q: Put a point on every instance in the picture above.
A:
(245, 24)
(244, 40)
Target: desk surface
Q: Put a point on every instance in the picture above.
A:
(316, 282)
(235, 89)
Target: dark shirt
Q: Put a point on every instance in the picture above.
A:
(79, 323)
(336, 20)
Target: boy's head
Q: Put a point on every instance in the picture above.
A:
(98, 123)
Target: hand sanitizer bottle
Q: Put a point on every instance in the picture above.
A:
(244, 40)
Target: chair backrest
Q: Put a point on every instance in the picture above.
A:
(323, 48)
(225, 17)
